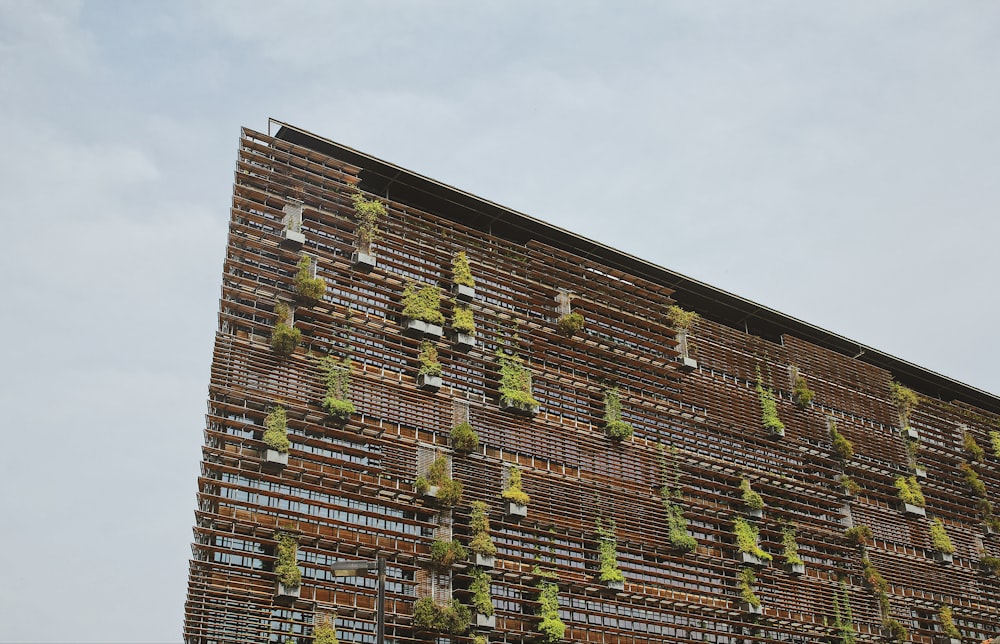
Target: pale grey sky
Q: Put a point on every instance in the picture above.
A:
(837, 161)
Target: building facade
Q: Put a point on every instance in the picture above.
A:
(406, 371)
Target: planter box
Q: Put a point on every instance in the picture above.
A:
(275, 460)
(751, 560)
(421, 328)
(484, 561)
(292, 238)
(520, 410)
(688, 365)
(430, 383)
(948, 640)
(433, 330)
(920, 472)
(754, 513)
(464, 293)
(777, 433)
(795, 569)
(915, 510)
(464, 342)
(750, 609)
(614, 585)
(911, 434)
(363, 262)
(516, 510)
(431, 492)
(283, 593)
(944, 557)
(482, 622)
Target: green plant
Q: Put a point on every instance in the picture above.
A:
(449, 493)
(801, 393)
(444, 554)
(462, 320)
(551, 627)
(286, 568)
(993, 523)
(513, 492)
(677, 525)
(895, 630)
(991, 564)
(479, 523)
(422, 303)
(461, 273)
(428, 357)
(995, 443)
(368, 213)
(972, 447)
(843, 618)
(747, 536)
(842, 448)
(616, 428)
(873, 577)
(570, 324)
(609, 552)
(452, 617)
(285, 337)
(515, 381)
(747, 581)
(325, 634)
(858, 535)
(479, 639)
(308, 287)
(791, 553)
(849, 485)
(680, 319)
(482, 603)
(750, 498)
(939, 537)
(909, 491)
(768, 408)
(276, 434)
(337, 378)
(464, 439)
(905, 400)
(948, 623)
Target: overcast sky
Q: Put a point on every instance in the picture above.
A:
(837, 161)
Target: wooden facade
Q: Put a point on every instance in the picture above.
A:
(347, 491)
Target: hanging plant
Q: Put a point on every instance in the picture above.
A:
(482, 603)
(939, 537)
(750, 498)
(843, 618)
(849, 485)
(325, 633)
(515, 382)
(276, 434)
(895, 631)
(449, 491)
(801, 393)
(452, 617)
(445, 554)
(479, 523)
(791, 546)
(670, 496)
(972, 448)
(858, 535)
(995, 443)
(616, 428)
(462, 320)
(976, 485)
(464, 439)
(680, 319)
(769, 408)
(905, 400)
(428, 358)
(368, 213)
(337, 377)
(513, 492)
(910, 492)
(461, 273)
(422, 303)
(842, 448)
(609, 553)
(285, 337)
(570, 324)
(308, 288)
(747, 536)
(551, 628)
(948, 623)
(286, 567)
(747, 581)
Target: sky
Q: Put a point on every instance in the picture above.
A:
(834, 160)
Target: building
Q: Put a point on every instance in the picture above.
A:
(666, 458)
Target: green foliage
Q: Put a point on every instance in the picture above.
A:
(909, 491)
(680, 319)
(670, 495)
(325, 634)
(972, 447)
(428, 357)
(750, 498)
(452, 617)
(461, 273)
(873, 577)
(570, 324)
(422, 303)
(905, 400)
(993, 523)
(551, 627)
(276, 434)
(462, 320)
(285, 567)
(368, 213)
(801, 393)
(768, 408)
(842, 448)
(939, 537)
(479, 639)
(849, 485)
(285, 337)
(992, 564)
(464, 439)
(858, 535)
(480, 589)
(995, 443)
(843, 618)
(747, 536)
(449, 490)
(515, 381)
(479, 524)
(896, 631)
(948, 622)
(309, 288)
(747, 581)
(609, 552)
(791, 553)
(616, 428)
(337, 378)
(444, 554)
(513, 491)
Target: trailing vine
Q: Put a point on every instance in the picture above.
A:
(801, 393)
(768, 408)
(939, 537)
(750, 498)
(461, 272)
(449, 492)
(551, 627)
(286, 568)
(616, 428)
(747, 581)
(609, 552)
(515, 381)
(513, 491)
(747, 536)
(791, 546)
(309, 288)
(670, 497)
(479, 523)
(276, 434)
(842, 447)
(482, 602)
(337, 378)
(910, 492)
(368, 212)
(843, 618)
(285, 337)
